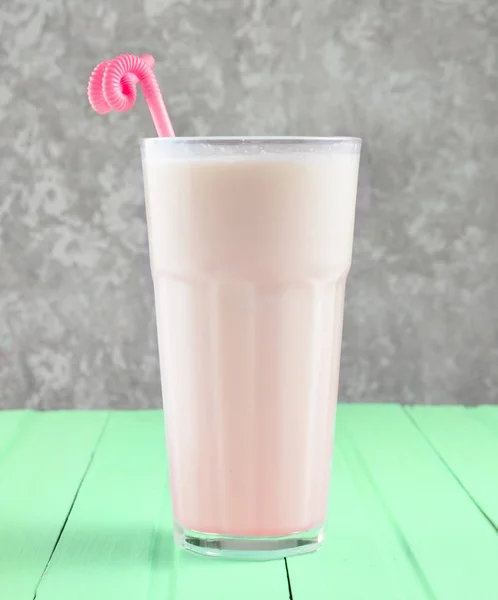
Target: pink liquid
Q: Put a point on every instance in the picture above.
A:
(249, 257)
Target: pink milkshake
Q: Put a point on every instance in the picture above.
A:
(250, 247)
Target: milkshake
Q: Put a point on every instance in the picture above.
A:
(250, 246)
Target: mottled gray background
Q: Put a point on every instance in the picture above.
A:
(418, 80)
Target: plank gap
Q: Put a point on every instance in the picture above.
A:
(451, 471)
(84, 474)
(396, 529)
(289, 586)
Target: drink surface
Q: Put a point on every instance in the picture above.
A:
(249, 257)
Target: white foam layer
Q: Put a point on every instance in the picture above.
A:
(237, 149)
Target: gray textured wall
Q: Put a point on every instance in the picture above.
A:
(418, 80)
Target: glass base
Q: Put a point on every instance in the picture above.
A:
(249, 548)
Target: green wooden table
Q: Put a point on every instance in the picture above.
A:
(85, 513)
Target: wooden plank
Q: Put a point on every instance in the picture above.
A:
(468, 446)
(11, 425)
(41, 468)
(364, 555)
(118, 542)
(453, 544)
(487, 415)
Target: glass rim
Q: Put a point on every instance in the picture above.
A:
(228, 140)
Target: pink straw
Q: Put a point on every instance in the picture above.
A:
(112, 86)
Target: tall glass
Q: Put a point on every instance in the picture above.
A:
(250, 246)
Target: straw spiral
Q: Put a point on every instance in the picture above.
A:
(113, 83)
